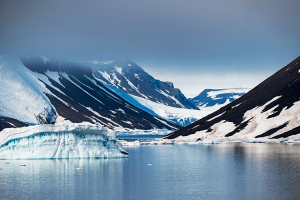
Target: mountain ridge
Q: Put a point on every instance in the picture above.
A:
(39, 90)
(132, 79)
(260, 113)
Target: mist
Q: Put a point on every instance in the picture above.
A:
(170, 38)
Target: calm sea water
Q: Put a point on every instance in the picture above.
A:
(222, 171)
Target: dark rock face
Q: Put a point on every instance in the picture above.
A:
(132, 79)
(204, 98)
(79, 97)
(275, 95)
(10, 123)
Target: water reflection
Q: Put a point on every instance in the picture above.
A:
(74, 178)
(224, 171)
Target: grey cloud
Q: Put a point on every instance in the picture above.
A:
(213, 35)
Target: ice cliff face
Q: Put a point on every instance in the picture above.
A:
(59, 141)
(269, 111)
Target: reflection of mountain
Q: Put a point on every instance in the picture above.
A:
(271, 110)
(212, 97)
(38, 90)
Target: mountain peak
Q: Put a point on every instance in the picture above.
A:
(132, 79)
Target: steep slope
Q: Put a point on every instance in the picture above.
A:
(271, 110)
(132, 79)
(181, 116)
(38, 90)
(212, 97)
(22, 94)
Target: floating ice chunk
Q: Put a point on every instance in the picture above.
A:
(59, 141)
(229, 142)
(125, 143)
(204, 142)
(293, 141)
(280, 141)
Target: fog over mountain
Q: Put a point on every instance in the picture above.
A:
(169, 39)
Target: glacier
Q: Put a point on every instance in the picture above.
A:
(180, 116)
(22, 94)
(60, 141)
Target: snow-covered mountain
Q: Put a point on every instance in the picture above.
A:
(212, 97)
(271, 110)
(132, 79)
(39, 90)
(181, 116)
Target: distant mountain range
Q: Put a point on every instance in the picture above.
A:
(271, 110)
(212, 97)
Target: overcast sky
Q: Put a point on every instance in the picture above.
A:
(196, 44)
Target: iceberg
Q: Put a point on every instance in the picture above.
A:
(125, 143)
(60, 141)
(206, 141)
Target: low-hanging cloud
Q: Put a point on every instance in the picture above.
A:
(171, 34)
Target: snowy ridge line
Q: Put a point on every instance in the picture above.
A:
(45, 80)
(133, 86)
(213, 94)
(271, 113)
(55, 76)
(102, 88)
(170, 97)
(216, 116)
(132, 79)
(67, 77)
(14, 133)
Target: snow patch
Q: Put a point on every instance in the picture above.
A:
(118, 69)
(54, 76)
(216, 116)
(45, 59)
(213, 94)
